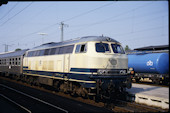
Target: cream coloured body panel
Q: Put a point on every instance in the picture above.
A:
(46, 63)
(92, 59)
(89, 59)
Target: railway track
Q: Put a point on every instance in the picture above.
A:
(115, 105)
(27, 102)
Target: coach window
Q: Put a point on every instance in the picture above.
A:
(30, 54)
(10, 61)
(13, 61)
(19, 60)
(47, 52)
(34, 53)
(16, 61)
(4, 61)
(41, 52)
(57, 50)
(81, 48)
(53, 50)
(61, 50)
(69, 49)
(37, 53)
(66, 49)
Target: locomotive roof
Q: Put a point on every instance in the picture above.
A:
(13, 54)
(76, 40)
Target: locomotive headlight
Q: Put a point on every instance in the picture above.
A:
(122, 72)
(102, 72)
(131, 71)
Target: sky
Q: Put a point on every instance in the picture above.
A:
(137, 24)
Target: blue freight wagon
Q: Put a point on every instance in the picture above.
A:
(154, 66)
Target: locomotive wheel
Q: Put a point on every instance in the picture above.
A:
(81, 92)
(23, 78)
(31, 80)
(63, 88)
(57, 85)
(73, 92)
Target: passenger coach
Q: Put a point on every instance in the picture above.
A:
(11, 63)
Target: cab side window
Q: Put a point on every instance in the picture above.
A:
(81, 48)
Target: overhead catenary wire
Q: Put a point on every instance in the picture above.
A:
(16, 14)
(9, 11)
(145, 37)
(153, 28)
(74, 17)
(64, 21)
(128, 11)
(117, 20)
(32, 17)
(25, 36)
(132, 40)
(82, 14)
(143, 30)
(118, 15)
(129, 17)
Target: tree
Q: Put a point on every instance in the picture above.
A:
(127, 48)
(18, 49)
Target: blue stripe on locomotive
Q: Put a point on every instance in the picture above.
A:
(73, 76)
(83, 70)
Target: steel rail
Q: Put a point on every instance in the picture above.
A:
(34, 98)
(16, 103)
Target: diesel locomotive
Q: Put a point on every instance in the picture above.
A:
(86, 66)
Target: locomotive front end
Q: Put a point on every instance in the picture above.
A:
(112, 76)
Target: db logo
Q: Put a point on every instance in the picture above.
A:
(149, 63)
